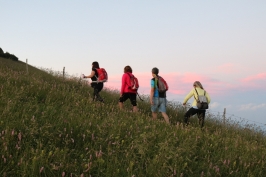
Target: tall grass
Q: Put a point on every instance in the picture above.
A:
(49, 126)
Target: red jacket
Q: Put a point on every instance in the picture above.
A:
(125, 88)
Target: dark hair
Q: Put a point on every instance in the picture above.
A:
(127, 69)
(155, 71)
(95, 64)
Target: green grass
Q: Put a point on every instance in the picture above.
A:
(49, 126)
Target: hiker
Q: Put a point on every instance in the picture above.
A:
(97, 86)
(127, 89)
(157, 99)
(196, 91)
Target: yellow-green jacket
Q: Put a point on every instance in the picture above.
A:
(193, 93)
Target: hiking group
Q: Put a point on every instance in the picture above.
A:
(159, 87)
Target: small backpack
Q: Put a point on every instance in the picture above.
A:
(102, 75)
(202, 102)
(162, 85)
(134, 83)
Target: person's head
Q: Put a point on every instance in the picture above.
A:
(155, 72)
(197, 84)
(127, 69)
(95, 64)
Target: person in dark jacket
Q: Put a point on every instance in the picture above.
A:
(97, 86)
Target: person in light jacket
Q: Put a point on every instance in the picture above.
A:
(197, 87)
(126, 92)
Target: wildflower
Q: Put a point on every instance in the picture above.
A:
(224, 162)
(63, 174)
(89, 166)
(41, 169)
(217, 170)
(100, 153)
(19, 136)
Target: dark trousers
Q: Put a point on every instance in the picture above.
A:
(131, 96)
(192, 111)
(97, 87)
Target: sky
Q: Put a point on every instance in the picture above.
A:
(222, 44)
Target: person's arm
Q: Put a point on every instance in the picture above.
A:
(123, 85)
(189, 95)
(91, 75)
(152, 92)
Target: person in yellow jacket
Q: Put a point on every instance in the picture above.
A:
(197, 87)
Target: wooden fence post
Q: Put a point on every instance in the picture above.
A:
(224, 115)
(27, 70)
(64, 72)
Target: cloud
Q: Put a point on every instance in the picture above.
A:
(181, 83)
(178, 83)
(254, 78)
(251, 106)
(215, 105)
(254, 82)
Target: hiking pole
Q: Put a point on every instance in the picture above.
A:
(139, 97)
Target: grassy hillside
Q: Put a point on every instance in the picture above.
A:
(50, 127)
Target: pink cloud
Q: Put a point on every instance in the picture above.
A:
(258, 77)
(181, 84)
(178, 83)
(257, 82)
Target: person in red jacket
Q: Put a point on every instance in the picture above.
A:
(126, 91)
